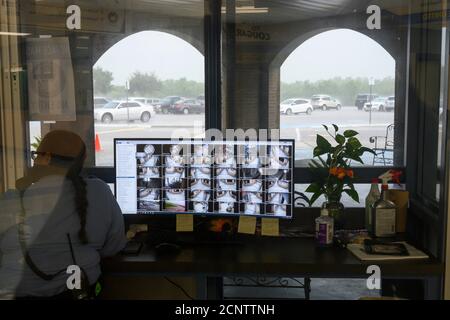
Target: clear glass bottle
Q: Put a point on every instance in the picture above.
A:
(372, 197)
(383, 215)
(336, 211)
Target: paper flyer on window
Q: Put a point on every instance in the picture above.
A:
(51, 87)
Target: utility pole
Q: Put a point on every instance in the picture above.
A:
(127, 87)
(371, 83)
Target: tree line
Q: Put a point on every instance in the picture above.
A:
(144, 84)
(344, 89)
(149, 85)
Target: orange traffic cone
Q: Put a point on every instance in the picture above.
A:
(98, 147)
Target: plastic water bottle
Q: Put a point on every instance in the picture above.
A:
(324, 229)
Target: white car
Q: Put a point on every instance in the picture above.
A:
(146, 101)
(379, 104)
(325, 102)
(123, 110)
(296, 105)
(390, 103)
(99, 102)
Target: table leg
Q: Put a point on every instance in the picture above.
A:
(214, 288)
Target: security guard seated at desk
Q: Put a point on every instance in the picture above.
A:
(56, 219)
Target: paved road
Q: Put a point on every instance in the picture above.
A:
(301, 127)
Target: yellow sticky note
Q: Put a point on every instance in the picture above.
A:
(185, 222)
(270, 227)
(247, 225)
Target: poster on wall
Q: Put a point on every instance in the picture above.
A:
(51, 88)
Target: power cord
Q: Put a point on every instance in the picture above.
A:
(179, 287)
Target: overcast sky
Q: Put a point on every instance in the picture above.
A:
(343, 53)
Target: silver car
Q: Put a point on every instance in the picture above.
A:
(124, 110)
(325, 102)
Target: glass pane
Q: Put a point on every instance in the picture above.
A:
(159, 65)
(350, 70)
(149, 54)
(315, 67)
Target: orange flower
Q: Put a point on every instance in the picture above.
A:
(341, 173)
(334, 171)
(350, 173)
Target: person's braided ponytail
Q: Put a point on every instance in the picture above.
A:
(81, 202)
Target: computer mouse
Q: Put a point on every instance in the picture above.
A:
(167, 248)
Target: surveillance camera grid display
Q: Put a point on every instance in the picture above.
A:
(240, 178)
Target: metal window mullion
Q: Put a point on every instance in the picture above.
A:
(213, 85)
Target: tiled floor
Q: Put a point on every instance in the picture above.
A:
(321, 289)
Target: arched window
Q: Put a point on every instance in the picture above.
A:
(341, 77)
(148, 85)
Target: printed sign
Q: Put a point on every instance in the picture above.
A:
(51, 88)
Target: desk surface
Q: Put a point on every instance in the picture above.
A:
(295, 257)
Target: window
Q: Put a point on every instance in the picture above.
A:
(149, 50)
(171, 70)
(275, 56)
(310, 70)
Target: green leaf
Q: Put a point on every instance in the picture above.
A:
(313, 188)
(323, 144)
(350, 133)
(356, 158)
(326, 128)
(323, 162)
(336, 128)
(365, 149)
(340, 139)
(318, 151)
(352, 194)
(314, 197)
(313, 163)
(354, 142)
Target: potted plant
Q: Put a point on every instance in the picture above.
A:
(331, 169)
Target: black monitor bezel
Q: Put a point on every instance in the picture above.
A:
(137, 217)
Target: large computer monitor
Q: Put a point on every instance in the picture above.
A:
(211, 178)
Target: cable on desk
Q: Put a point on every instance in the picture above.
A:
(179, 287)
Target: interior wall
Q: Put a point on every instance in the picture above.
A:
(12, 118)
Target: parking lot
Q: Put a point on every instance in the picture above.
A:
(303, 128)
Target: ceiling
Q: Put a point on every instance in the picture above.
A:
(276, 11)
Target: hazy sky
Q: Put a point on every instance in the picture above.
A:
(168, 56)
(343, 53)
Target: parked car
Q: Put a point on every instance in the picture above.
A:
(296, 105)
(379, 104)
(146, 101)
(361, 99)
(201, 98)
(99, 102)
(187, 106)
(166, 104)
(325, 102)
(123, 110)
(390, 103)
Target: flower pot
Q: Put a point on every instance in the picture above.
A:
(335, 210)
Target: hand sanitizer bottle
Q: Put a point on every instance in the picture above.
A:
(374, 195)
(324, 229)
(384, 212)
